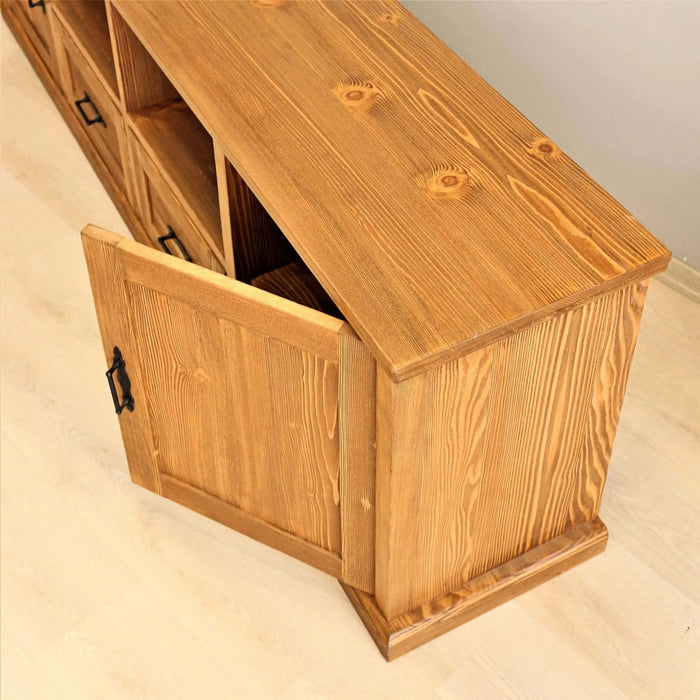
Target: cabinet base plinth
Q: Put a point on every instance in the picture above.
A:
(410, 630)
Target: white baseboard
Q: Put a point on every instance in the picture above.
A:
(682, 278)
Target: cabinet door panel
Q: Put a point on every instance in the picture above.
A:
(240, 388)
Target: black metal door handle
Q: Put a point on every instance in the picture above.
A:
(37, 3)
(97, 119)
(171, 236)
(119, 366)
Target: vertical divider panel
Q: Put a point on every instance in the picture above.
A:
(225, 209)
(141, 81)
(257, 243)
(111, 12)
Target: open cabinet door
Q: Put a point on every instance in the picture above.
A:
(227, 395)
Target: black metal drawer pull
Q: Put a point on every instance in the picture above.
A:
(37, 3)
(171, 236)
(97, 119)
(119, 366)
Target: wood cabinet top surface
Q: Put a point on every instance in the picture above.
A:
(437, 216)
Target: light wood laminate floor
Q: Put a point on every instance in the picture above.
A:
(111, 592)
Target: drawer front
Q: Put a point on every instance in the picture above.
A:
(97, 112)
(35, 22)
(163, 216)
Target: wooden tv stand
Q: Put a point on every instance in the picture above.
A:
(393, 329)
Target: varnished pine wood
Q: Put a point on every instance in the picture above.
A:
(492, 461)
(35, 25)
(259, 244)
(86, 22)
(157, 601)
(110, 296)
(357, 432)
(216, 379)
(431, 434)
(495, 587)
(404, 209)
(295, 282)
(184, 155)
(608, 391)
(161, 209)
(224, 211)
(296, 325)
(495, 508)
(67, 111)
(141, 83)
(249, 525)
(241, 416)
(78, 79)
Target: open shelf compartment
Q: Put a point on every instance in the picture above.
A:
(183, 151)
(229, 218)
(87, 22)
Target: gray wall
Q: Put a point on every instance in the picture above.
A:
(615, 84)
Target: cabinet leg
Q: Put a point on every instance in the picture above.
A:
(410, 630)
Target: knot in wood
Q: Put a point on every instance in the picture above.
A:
(544, 148)
(269, 3)
(389, 17)
(358, 96)
(449, 183)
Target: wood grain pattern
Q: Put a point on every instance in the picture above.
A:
(161, 210)
(392, 207)
(542, 386)
(79, 79)
(233, 410)
(410, 630)
(491, 464)
(606, 404)
(431, 433)
(86, 22)
(224, 211)
(357, 432)
(141, 83)
(495, 450)
(36, 26)
(151, 584)
(67, 111)
(295, 282)
(183, 152)
(296, 325)
(109, 295)
(258, 243)
(241, 416)
(249, 525)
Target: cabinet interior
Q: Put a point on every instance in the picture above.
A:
(180, 146)
(88, 21)
(222, 206)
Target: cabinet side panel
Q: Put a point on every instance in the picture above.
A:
(604, 411)
(490, 455)
(542, 388)
(431, 439)
(111, 305)
(356, 418)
